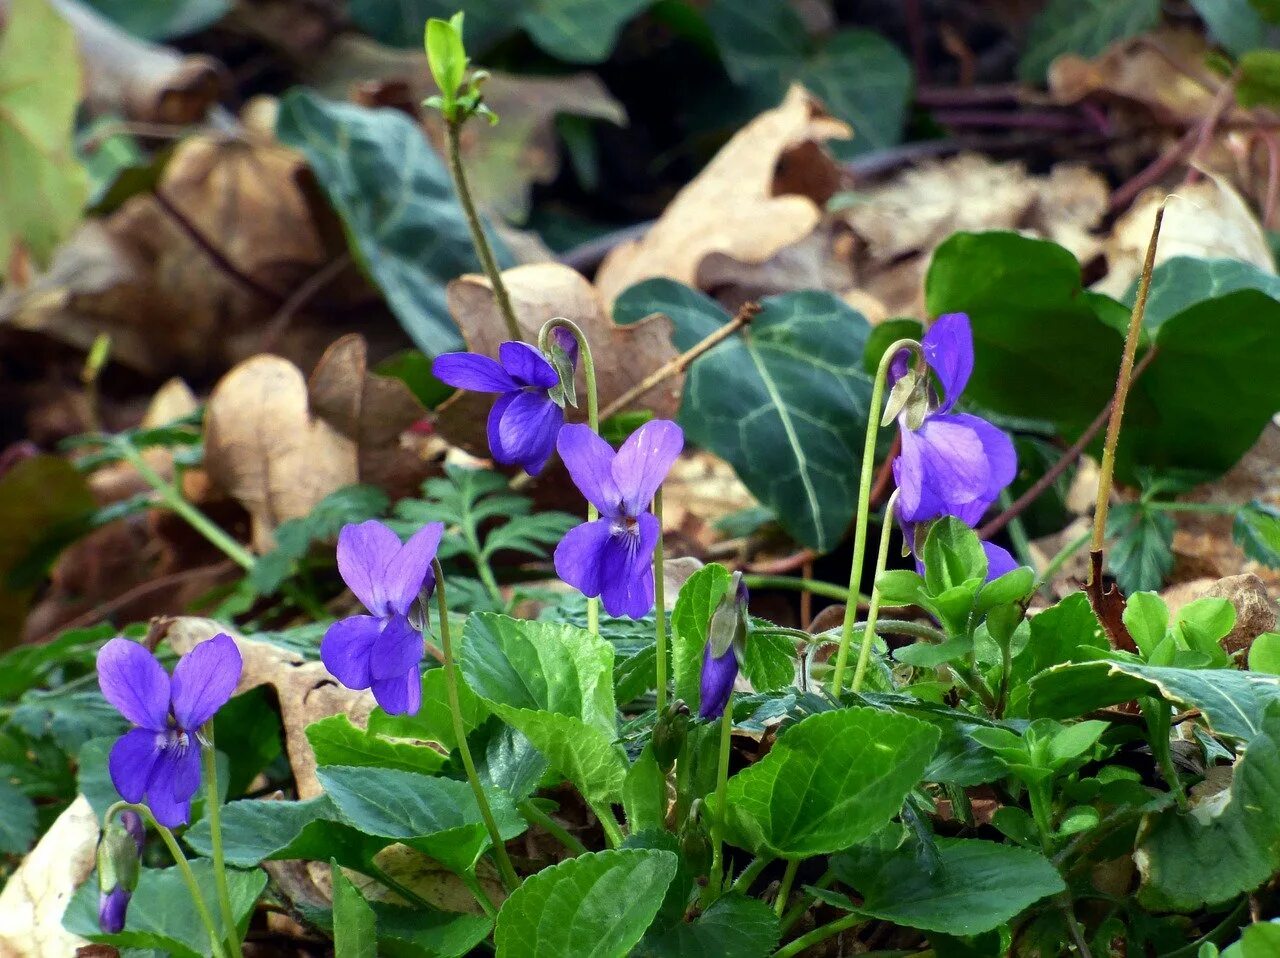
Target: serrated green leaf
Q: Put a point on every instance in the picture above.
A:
(644, 793)
(690, 619)
(437, 816)
(975, 887)
(336, 741)
(829, 781)
(732, 927)
(254, 831)
(1231, 702)
(769, 660)
(1082, 27)
(1260, 940)
(787, 406)
(353, 922)
(593, 906)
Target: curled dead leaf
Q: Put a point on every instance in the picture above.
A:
(539, 292)
(762, 192)
(264, 447)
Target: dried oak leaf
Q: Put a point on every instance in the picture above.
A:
(37, 893)
(370, 410)
(305, 690)
(762, 192)
(265, 448)
(624, 355)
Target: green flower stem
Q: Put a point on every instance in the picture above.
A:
(784, 889)
(826, 589)
(609, 822)
(537, 816)
(214, 811)
(852, 594)
(505, 868)
(749, 874)
(796, 913)
(1159, 725)
(659, 609)
(1041, 813)
(1212, 508)
(917, 630)
(1064, 555)
(873, 608)
(473, 883)
(593, 419)
(453, 130)
(179, 859)
(404, 891)
(819, 934)
(716, 879)
(1018, 533)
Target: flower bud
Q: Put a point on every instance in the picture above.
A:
(562, 353)
(726, 637)
(132, 823)
(111, 910)
(695, 846)
(669, 733)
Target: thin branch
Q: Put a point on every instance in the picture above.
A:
(299, 298)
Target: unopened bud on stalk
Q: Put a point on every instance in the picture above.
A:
(726, 639)
(669, 733)
(119, 849)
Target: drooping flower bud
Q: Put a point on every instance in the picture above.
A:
(669, 733)
(118, 852)
(726, 638)
(562, 353)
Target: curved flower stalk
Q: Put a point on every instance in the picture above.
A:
(382, 651)
(610, 557)
(529, 411)
(158, 760)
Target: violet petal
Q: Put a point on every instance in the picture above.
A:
(130, 763)
(527, 366)
(397, 649)
(409, 567)
(401, 695)
(347, 647)
(364, 549)
(204, 679)
(528, 430)
(948, 349)
(472, 371)
(579, 556)
(589, 460)
(643, 461)
(134, 682)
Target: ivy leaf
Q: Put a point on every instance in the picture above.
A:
(1082, 27)
(40, 83)
(396, 200)
(1238, 27)
(437, 816)
(786, 405)
(1142, 553)
(578, 31)
(294, 537)
(163, 19)
(593, 906)
(1257, 532)
(829, 781)
(353, 922)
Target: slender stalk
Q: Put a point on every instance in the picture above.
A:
(593, 420)
(609, 822)
(184, 867)
(794, 915)
(477, 890)
(749, 874)
(784, 889)
(509, 876)
(795, 583)
(213, 809)
(864, 506)
(1211, 508)
(404, 891)
(659, 610)
(537, 816)
(1107, 467)
(746, 314)
(1061, 559)
(716, 877)
(873, 608)
(819, 934)
(453, 130)
(918, 630)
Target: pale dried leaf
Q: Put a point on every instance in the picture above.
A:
(38, 892)
(743, 205)
(265, 449)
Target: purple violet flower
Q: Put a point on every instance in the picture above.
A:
(112, 906)
(382, 650)
(159, 759)
(726, 642)
(999, 560)
(718, 678)
(131, 821)
(525, 420)
(953, 464)
(611, 557)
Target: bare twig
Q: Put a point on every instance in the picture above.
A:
(1128, 191)
(299, 298)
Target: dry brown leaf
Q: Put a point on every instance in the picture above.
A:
(902, 221)
(1158, 73)
(264, 448)
(1207, 219)
(305, 690)
(372, 411)
(430, 880)
(543, 291)
(746, 204)
(37, 893)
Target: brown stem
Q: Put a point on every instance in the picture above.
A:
(1128, 191)
(317, 281)
(210, 250)
(1226, 96)
(1123, 380)
(746, 314)
(1074, 452)
(1273, 178)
